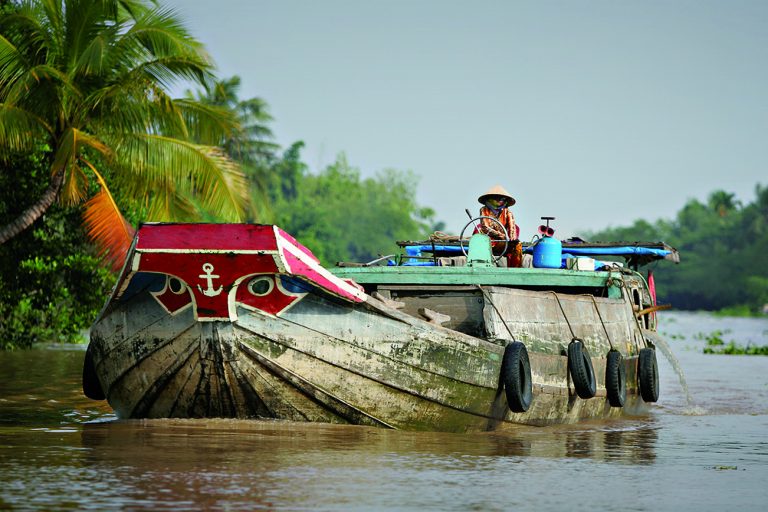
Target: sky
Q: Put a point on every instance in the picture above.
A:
(595, 112)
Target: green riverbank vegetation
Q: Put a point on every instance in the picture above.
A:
(723, 248)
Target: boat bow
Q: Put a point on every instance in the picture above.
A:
(213, 268)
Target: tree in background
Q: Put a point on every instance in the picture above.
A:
(251, 145)
(723, 203)
(88, 81)
(723, 252)
(751, 238)
(342, 217)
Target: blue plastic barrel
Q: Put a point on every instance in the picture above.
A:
(547, 253)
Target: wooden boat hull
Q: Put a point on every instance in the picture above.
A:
(328, 358)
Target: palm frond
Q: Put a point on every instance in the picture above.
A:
(225, 193)
(70, 144)
(106, 226)
(12, 64)
(20, 130)
(65, 158)
(170, 203)
(52, 11)
(166, 71)
(93, 59)
(36, 88)
(135, 8)
(28, 25)
(197, 170)
(86, 139)
(162, 33)
(119, 108)
(160, 43)
(31, 27)
(75, 185)
(208, 124)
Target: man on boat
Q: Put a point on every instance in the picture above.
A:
(496, 203)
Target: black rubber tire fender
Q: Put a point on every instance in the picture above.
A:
(91, 385)
(615, 379)
(648, 374)
(580, 367)
(516, 377)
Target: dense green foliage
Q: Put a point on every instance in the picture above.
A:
(342, 217)
(51, 282)
(723, 252)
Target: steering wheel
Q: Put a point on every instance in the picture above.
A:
(497, 221)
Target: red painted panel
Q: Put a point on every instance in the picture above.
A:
(224, 237)
(210, 277)
(272, 302)
(288, 238)
(181, 250)
(333, 284)
(174, 302)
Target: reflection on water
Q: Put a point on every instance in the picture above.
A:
(236, 441)
(237, 464)
(59, 450)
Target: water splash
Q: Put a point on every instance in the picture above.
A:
(662, 344)
(695, 410)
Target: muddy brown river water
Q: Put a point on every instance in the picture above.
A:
(59, 450)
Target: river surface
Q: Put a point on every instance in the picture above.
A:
(59, 450)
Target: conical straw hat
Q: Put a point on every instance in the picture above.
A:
(497, 190)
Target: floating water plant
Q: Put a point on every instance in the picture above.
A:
(716, 345)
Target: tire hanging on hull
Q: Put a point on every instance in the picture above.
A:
(580, 368)
(648, 374)
(91, 385)
(516, 377)
(615, 379)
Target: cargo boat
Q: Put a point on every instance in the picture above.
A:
(242, 321)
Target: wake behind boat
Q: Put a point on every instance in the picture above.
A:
(242, 321)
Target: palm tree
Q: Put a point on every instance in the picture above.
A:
(722, 202)
(89, 79)
(251, 146)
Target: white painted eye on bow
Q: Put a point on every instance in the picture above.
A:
(260, 286)
(176, 285)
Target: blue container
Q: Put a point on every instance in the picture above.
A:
(548, 253)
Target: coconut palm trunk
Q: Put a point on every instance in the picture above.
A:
(34, 212)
